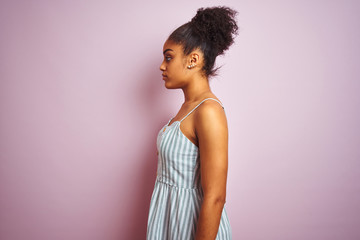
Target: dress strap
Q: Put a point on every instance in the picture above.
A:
(199, 105)
(169, 121)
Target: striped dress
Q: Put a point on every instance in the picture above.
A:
(177, 196)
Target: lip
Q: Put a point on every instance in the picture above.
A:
(164, 76)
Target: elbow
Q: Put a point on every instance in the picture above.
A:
(216, 200)
(220, 200)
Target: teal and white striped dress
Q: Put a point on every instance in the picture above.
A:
(177, 196)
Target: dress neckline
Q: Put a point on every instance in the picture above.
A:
(167, 125)
(180, 131)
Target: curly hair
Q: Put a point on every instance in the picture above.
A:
(212, 30)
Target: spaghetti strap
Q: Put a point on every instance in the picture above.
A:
(199, 105)
(169, 121)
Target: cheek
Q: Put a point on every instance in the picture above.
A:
(177, 68)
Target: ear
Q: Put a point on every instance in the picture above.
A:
(194, 60)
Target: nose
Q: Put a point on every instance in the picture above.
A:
(162, 67)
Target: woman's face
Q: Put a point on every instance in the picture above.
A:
(174, 66)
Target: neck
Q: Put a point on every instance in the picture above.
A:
(195, 89)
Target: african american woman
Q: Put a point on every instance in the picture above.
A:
(188, 201)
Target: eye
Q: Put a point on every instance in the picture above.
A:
(168, 58)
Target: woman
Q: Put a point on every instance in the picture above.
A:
(190, 189)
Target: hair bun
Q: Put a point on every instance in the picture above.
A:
(217, 26)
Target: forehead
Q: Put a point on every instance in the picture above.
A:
(175, 47)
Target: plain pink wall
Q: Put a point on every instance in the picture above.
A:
(82, 99)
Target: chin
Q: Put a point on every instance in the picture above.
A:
(172, 84)
(169, 86)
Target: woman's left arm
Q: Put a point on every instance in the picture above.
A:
(212, 132)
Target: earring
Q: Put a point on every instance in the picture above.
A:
(191, 66)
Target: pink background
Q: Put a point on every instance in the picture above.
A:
(82, 100)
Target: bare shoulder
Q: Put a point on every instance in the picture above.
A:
(210, 114)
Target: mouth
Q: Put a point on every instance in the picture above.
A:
(164, 76)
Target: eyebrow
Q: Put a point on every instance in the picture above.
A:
(167, 50)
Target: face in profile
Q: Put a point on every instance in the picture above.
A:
(174, 66)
